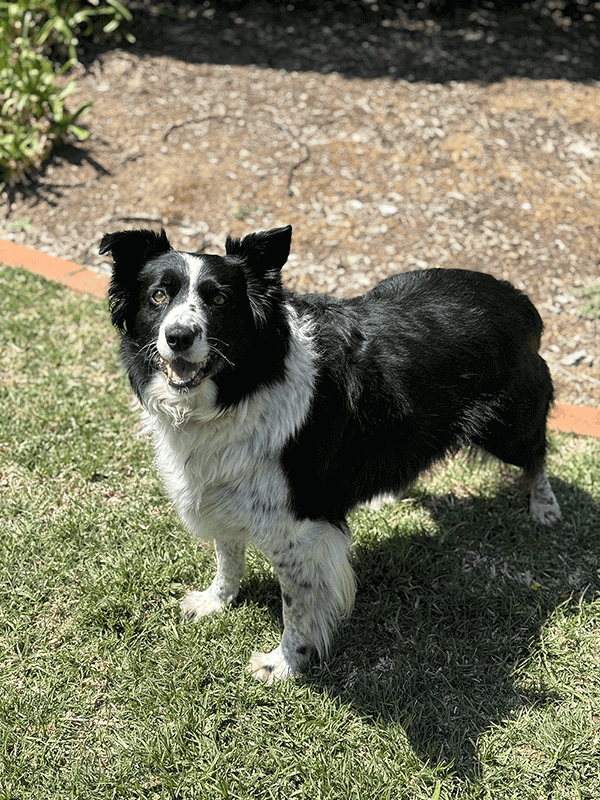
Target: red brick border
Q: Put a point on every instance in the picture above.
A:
(54, 269)
(575, 419)
(566, 418)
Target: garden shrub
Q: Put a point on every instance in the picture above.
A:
(38, 49)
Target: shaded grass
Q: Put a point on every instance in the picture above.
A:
(469, 669)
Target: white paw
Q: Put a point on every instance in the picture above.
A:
(270, 667)
(200, 604)
(546, 513)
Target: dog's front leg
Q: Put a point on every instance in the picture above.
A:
(225, 586)
(317, 587)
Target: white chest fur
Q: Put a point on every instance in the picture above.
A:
(221, 469)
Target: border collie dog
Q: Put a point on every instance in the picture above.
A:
(273, 414)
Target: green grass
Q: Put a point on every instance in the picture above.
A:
(469, 669)
(590, 307)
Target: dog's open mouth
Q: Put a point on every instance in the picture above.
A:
(182, 374)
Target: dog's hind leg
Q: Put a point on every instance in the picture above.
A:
(543, 505)
(317, 587)
(518, 436)
(225, 586)
(529, 454)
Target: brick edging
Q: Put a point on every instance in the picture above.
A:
(565, 418)
(575, 419)
(67, 273)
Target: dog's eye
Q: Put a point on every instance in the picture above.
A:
(219, 299)
(159, 296)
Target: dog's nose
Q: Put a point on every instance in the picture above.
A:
(180, 337)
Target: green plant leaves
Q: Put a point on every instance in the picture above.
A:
(35, 36)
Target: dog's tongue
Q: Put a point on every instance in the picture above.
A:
(184, 369)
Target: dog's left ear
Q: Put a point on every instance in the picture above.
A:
(263, 255)
(130, 251)
(263, 251)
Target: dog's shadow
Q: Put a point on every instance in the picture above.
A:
(445, 617)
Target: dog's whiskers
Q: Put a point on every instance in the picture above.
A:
(214, 339)
(149, 353)
(223, 356)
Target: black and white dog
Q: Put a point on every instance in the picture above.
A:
(274, 414)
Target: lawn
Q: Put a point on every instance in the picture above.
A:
(469, 669)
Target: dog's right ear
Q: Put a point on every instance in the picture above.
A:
(130, 251)
(134, 247)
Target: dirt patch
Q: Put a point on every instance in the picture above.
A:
(389, 137)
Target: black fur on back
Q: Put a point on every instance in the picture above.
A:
(424, 363)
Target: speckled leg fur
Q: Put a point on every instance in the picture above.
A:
(225, 586)
(318, 588)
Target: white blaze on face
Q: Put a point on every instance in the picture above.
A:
(187, 314)
(183, 366)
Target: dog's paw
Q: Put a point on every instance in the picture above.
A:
(270, 667)
(547, 513)
(200, 604)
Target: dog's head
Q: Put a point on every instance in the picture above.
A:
(195, 316)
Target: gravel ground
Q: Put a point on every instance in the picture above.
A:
(390, 136)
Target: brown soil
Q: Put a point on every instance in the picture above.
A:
(390, 137)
